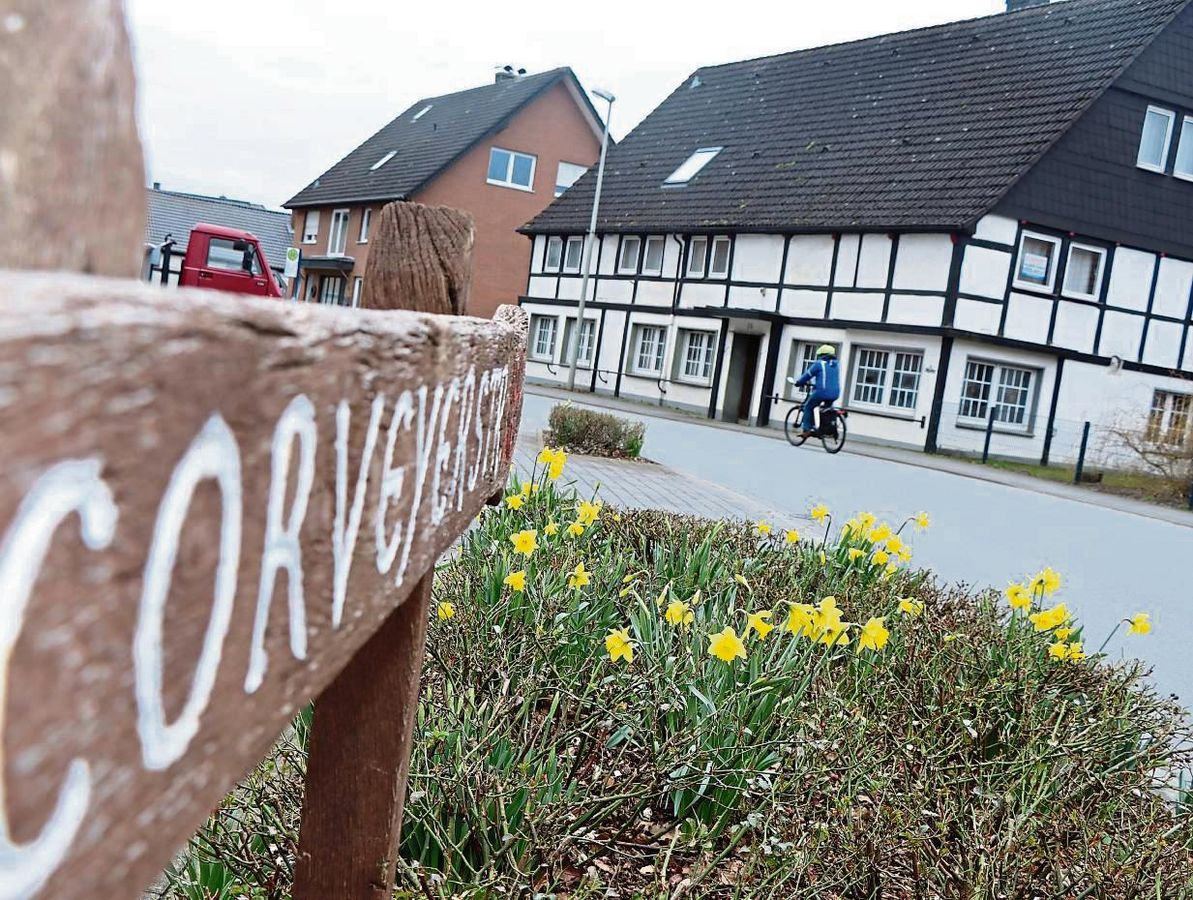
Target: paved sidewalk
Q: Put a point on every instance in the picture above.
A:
(642, 485)
(896, 455)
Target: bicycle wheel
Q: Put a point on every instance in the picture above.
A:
(836, 441)
(792, 427)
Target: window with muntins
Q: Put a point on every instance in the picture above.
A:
(1083, 273)
(648, 350)
(887, 377)
(1183, 167)
(508, 168)
(573, 254)
(697, 257)
(803, 354)
(584, 347)
(652, 261)
(1168, 419)
(1156, 139)
(718, 266)
(310, 227)
(1036, 267)
(1007, 390)
(627, 263)
(337, 241)
(869, 375)
(542, 344)
(554, 254)
(699, 347)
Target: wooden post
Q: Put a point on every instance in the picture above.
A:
(359, 752)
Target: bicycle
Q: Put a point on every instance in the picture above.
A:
(830, 427)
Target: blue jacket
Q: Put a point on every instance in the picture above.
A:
(825, 378)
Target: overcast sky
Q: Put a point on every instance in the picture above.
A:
(255, 98)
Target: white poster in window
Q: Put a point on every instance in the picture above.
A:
(1034, 267)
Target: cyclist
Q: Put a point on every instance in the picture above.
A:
(824, 377)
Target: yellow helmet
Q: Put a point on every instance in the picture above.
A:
(826, 350)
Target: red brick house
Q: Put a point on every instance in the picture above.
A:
(502, 152)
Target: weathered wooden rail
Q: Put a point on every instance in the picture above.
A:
(213, 509)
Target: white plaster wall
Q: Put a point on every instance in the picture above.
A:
(916, 310)
(672, 255)
(608, 249)
(984, 272)
(752, 298)
(875, 261)
(973, 315)
(542, 285)
(847, 260)
(1163, 347)
(1121, 334)
(923, 263)
(803, 304)
(857, 307)
(610, 355)
(655, 293)
(809, 260)
(1130, 278)
(1172, 288)
(1028, 317)
(610, 291)
(1187, 362)
(998, 229)
(537, 250)
(1076, 326)
(693, 294)
(758, 257)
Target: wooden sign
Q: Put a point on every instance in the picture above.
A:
(208, 504)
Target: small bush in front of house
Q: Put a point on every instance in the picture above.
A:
(597, 434)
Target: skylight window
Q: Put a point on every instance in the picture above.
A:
(692, 166)
(377, 165)
(422, 112)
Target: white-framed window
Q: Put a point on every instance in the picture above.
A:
(627, 262)
(1036, 266)
(383, 160)
(508, 168)
(697, 351)
(554, 254)
(1009, 390)
(566, 175)
(691, 166)
(697, 257)
(652, 259)
(1155, 139)
(366, 219)
(331, 292)
(337, 240)
(542, 337)
(650, 342)
(310, 227)
(803, 354)
(887, 377)
(357, 286)
(1183, 168)
(718, 260)
(1168, 419)
(1083, 272)
(585, 347)
(573, 255)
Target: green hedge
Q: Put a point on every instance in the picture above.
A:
(598, 434)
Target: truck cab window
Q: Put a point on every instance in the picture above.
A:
(231, 256)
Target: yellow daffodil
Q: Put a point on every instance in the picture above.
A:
(726, 646)
(889, 572)
(835, 636)
(619, 646)
(758, 622)
(855, 553)
(895, 545)
(801, 619)
(762, 527)
(554, 460)
(1018, 596)
(874, 635)
(1058, 651)
(827, 626)
(575, 529)
(1046, 620)
(446, 610)
(819, 513)
(579, 577)
(516, 580)
(879, 533)
(662, 598)
(1076, 651)
(791, 536)
(586, 513)
(1046, 583)
(633, 576)
(525, 542)
(515, 501)
(849, 529)
(1140, 623)
(546, 456)
(911, 606)
(551, 529)
(741, 579)
(678, 613)
(616, 517)
(1063, 633)
(823, 558)
(866, 520)
(921, 521)
(881, 557)
(904, 554)
(529, 489)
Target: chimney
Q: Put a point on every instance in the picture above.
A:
(1016, 5)
(157, 185)
(508, 73)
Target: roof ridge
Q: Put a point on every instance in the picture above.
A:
(247, 204)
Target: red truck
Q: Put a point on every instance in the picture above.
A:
(219, 258)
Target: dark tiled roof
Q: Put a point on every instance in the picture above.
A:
(925, 129)
(176, 213)
(450, 127)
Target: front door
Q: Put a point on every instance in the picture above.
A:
(739, 385)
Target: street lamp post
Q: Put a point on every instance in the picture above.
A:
(574, 343)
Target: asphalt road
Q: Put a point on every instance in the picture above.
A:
(1114, 563)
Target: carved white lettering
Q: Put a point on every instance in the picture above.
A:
(422, 456)
(343, 538)
(393, 479)
(459, 472)
(443, 453)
